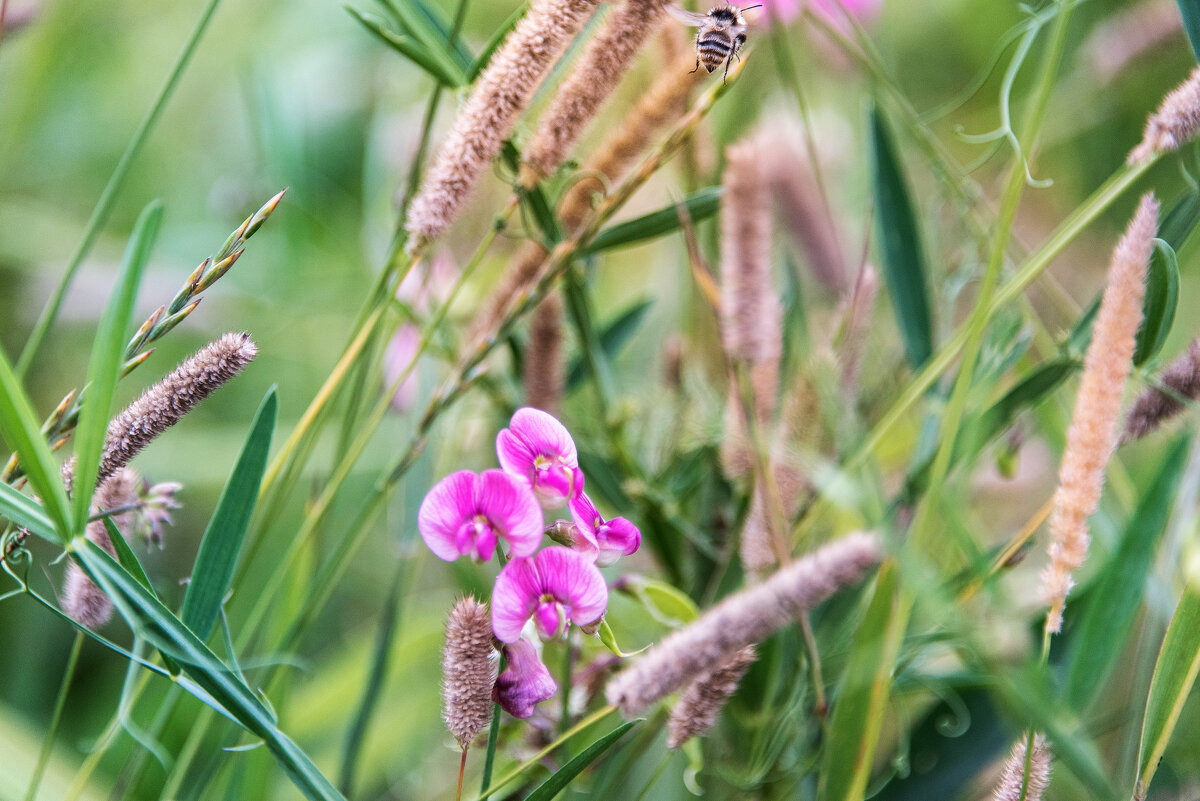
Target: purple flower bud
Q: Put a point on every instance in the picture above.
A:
(525, 683)
(556, 587)
(609, 540)
(539, 449)
(465, 514)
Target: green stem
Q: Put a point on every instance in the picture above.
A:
(105, 204)
(60, 702)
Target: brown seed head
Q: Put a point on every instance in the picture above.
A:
(82, 600)
(545, 371)
(1176, 121)
(1155, 406)
(703, 699)
(468, 671)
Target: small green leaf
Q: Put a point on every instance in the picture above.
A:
(126, 557)
(26, 512)
(498, 36)
(104, 367)
(555, 784)
(700, 205)
(610, 641)
(1190, 11)
(1159, 304)
(666, 604)
(1174, 675)
(1179, 223)
(222, 540)
(900, 241)
(862, 699)
(431, 29)
(414, 51)
(1081, 334)
(1116, 595)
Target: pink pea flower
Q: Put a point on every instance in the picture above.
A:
(781, 10)
(556, 587)
(525, 682)
(465, 513)
(609, 540)
(539, 449)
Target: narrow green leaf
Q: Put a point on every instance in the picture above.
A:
(498, 36)
(1116, 595)
(613, 337)
(700, 205)
(554, 785)
(26, 512)
(154, 622)
(862, 699)
(126, 557)
(411, 49)
(1190, 11)
(1081, 333)
(900, 241)
(1179, 223)
(1159, 304)
(427, 23)
(664, 602)
(104, 367)
(217, 558)
(1174, 674)
(23, 434)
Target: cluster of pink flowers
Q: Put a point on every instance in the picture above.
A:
(538, 591)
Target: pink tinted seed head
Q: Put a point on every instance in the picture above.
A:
(466, 514)
(538, 449)
(556, 587)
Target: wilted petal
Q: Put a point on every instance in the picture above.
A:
(449, 505)
(525, 682)
(510, 507)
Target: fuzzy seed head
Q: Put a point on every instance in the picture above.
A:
(468, 671)
(1158, 404)
(703, 699)
(1096, 419)
(545, 370)
(1176, 121)
(82, 599)
(1013, 775)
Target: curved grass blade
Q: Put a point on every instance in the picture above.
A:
(1158, 307)
(26, 512)
(612, 338)
(23, 433)
(428, 25)
(900, 240)
(500, 34)
(217, 558)
(700, 205)
(412, 50)
(126, 557)
(554, 785)
(104, 366)
(153, 621)
(1117, 594)
(1179, 223)
(1174, 675)
(859, 708)
(1190, 11)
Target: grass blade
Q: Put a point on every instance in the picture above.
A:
(23, 434)
(862, 700)
(431, 29)
(700, 205)
(900, 241)
(414, 51)
(554, 785)
(1116, 595)
(612, 338)
(223, 537)
(498, 36)
(126, 557)
(1158, 307)
(26, 512)
(1174, 674)
(104, 367)
(1190, 11)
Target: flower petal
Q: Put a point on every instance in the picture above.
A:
(450, 503)
(525, 682)
(618, 537)
(545, 435)
(515, 596)
(512, 509)
(574, 581)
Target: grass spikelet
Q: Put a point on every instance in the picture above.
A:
(85, 602)
(1176, 121)
(1013, 775)
(702, 701)
(746, 618)
(1094, 423)
(468, 671)
(487, 118)
(545, 371)
(1155, 406)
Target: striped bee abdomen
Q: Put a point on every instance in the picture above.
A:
(713, 48)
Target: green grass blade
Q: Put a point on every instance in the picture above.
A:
(411, 49)
(1190, 11)
(222, 540)
(104, 367)
(700, 205)
(612, 338)
(105, 204)
(862, 700)
(431, 29)
(555, 784)
(1116, 595)
(900, 242)
(126, 557)
(498, 36)
(153, 621)
(1179, 223)
(1159, 304)
(21, 430)
(1174, 675)
(26, 512)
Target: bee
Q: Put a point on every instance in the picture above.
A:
(722, 33)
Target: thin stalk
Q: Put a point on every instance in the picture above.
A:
(655, 776)
(107, 197)
(977, 323)
(595, 717)
(60, 702)
(489, 760)
(568, 667)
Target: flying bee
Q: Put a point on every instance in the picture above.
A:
(722, 33)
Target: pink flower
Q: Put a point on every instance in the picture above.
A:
(861, 10)
(401, 350)
(556, 587)
(539, 449)
(525, 682)
(609, 540)
(781, 10)
(465, 513)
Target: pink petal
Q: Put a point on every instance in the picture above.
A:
(448, 505)
(545, 434)
(516, 455)
(782, 10)
(574, 581)
(511, 507)
(525, 682)
(585, 515)
(515, 596)
(618, 537)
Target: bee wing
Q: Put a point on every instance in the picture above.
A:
(693, 18)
